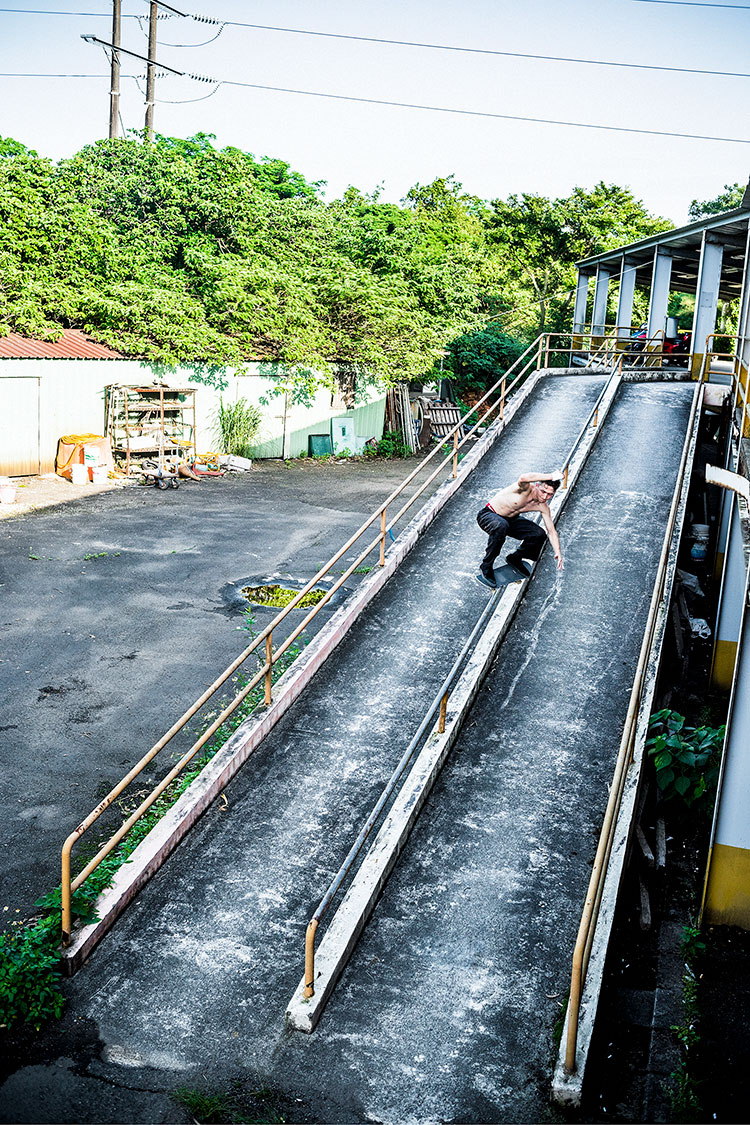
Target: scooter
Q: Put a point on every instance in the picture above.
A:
(677, 349)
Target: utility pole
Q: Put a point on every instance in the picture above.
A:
(153, 9)
(114, 88)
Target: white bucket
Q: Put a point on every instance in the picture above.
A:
(79, 474)
(100, 474)
(90, 456)
(7, 490)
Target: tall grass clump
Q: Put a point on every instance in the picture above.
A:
(239, 423)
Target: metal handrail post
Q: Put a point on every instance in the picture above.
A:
(382, 537)
(502, 398)
(443, 712)
(455, 454)
(269, 669)
(312, 926)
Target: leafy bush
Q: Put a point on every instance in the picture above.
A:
(392, 445)
(30, 973)
(686, 759)
(239, 423)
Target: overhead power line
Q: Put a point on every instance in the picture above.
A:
(488, 51)
(408, 105)
(451, 47)
(692, 4)
(486, 113)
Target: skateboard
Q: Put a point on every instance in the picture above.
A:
(504, 575)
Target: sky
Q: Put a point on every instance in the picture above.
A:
(389, 148)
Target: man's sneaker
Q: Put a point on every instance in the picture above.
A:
(487, 579)
(516, 561)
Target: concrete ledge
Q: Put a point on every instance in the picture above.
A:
(567, 1088)
(167, 834)
(358, 903)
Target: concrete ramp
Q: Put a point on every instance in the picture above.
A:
(446, 1011)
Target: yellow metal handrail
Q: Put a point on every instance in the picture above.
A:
(505, 386)
(595, 890)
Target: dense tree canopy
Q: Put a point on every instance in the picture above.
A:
(181, 252)
(726, 200)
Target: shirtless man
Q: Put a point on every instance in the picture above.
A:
(502, 517)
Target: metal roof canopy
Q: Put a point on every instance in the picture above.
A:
(684, 246)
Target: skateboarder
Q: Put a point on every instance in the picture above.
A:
(502, 517)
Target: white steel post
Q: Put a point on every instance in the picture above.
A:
(625, 299)
(657, 308)
(706, 299)
(601, 291)
(579, 311)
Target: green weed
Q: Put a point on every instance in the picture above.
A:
(686, 759)
(237, 1106)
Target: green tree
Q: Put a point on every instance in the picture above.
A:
(726, 200)
(476, 360)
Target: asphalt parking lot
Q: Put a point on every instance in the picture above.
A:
(118, 609)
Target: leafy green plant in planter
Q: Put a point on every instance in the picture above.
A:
(239, 423)
(686, 759)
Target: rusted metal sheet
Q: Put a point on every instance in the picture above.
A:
(73, 344)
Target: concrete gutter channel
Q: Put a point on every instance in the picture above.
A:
(446, 1032)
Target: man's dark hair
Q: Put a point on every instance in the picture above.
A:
(554, 484)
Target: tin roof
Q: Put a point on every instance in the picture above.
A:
(73, 344)
(683, 244)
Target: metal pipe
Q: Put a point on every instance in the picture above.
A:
(382, 537)
(455, 454)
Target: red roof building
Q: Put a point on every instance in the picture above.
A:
(73, 344)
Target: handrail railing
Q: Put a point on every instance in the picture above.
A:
(504, 386)
(595, 890)
(439, 705)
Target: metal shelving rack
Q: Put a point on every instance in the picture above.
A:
(150, 420)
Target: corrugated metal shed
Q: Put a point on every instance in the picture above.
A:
(73, 344)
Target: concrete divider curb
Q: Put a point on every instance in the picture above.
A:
(567, 1089)
(359, 901)
(161, 841)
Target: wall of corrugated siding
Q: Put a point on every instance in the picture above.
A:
(71, 400)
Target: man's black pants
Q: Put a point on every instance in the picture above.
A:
(518, 527)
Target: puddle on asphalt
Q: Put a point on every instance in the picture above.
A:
(280, 596)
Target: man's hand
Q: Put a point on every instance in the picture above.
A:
(559, 560)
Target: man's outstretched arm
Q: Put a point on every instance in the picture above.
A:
(530, 478)
(552, 535)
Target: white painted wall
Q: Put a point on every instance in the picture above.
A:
(71, 400)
